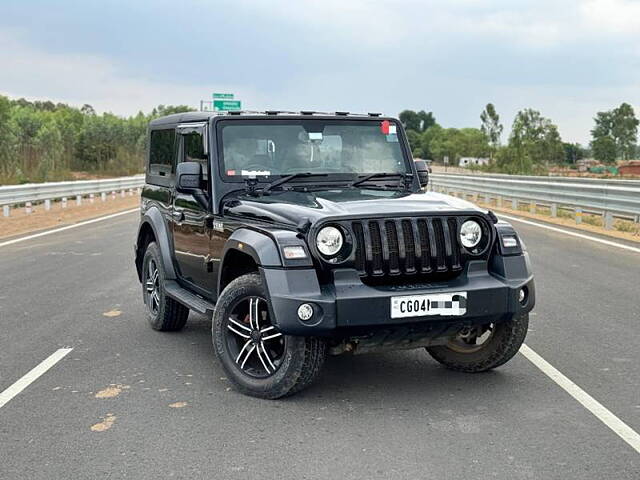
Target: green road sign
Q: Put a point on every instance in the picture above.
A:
(223, 96)
(226, 105)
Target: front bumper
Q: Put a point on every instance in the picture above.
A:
(348, 304)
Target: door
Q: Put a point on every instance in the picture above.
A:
(191, 236)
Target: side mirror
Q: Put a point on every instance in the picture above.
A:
(189, 177)
(423, 172)
(189, 180)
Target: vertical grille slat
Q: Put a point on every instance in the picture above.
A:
(453, 232)
(417, 248)
(368, 253)
(376, 249)
(406, 246)
(359, 239)
(402, 251)
(409, 247)
(424, 247)
(394, 254)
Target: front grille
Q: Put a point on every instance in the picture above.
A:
(406, 246)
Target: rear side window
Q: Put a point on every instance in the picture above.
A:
(162, 152)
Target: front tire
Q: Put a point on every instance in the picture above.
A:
(259, 360)
(466, 353)
(163, 313)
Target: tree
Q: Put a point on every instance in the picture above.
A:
(417, 121)
(455, 143)
(604, 149)
(534, 142)
(615, 134)
(491, 127)
(573, 152)
(625, 130)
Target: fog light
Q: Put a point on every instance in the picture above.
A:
(522, 295)
(305, 312)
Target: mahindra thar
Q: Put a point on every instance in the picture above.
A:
(307, 234)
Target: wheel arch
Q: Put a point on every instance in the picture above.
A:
(246, 251)
(153, 228)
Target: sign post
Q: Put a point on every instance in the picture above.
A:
(225, 102)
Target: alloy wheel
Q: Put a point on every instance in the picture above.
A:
(152, 286)
(253, 342)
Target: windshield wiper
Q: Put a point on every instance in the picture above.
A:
(288, 178)
(404, 176)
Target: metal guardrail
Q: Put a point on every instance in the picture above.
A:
(46, 192)
(620, 198)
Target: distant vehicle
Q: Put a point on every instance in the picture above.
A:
(310, 234)
(427, 161)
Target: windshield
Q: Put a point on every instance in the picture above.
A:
(285, 147)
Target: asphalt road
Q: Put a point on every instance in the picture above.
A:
(397, 415)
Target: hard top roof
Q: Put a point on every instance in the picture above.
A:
(205, 116)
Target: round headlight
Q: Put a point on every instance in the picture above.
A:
(329, 241)
(470, 233)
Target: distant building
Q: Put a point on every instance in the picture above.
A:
(630, 168)
(467, 161)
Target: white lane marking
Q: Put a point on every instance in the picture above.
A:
(33, 375)
(68, 227)
(573, 234)
(620, 428)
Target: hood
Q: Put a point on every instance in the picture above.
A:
(292, 207)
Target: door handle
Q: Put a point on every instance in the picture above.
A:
(178, 215)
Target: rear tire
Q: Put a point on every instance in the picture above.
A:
(163, 313)
(505, 341)
(259, 360)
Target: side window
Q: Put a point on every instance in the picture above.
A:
(193, 150)
(162, 152)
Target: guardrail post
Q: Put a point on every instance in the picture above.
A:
(138, 190)
(578, 215)
(113, 195)
(554, 209)
(28, 208)
(103, 196)
(78, 200)
(47, 204)
(122, 193)
(608, 220)
(514, 204)
(6, 209)
(532, 207)
(64, 202)
(499, 202)
(131, 192)
(91, 198)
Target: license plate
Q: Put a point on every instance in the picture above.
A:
(445, 304)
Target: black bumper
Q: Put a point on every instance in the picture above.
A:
(492, 296)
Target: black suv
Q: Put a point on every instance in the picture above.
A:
(306, 234)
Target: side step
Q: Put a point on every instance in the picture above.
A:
(188, 299)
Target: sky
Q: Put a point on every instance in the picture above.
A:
(568, 59)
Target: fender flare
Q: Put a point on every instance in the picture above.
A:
(259, 246)
(153, 218)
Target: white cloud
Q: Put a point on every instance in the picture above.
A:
(98, 81)
(613, 16)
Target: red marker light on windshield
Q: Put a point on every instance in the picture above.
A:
(384, 127)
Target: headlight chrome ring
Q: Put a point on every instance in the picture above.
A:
(470, 234)
(329, 241)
